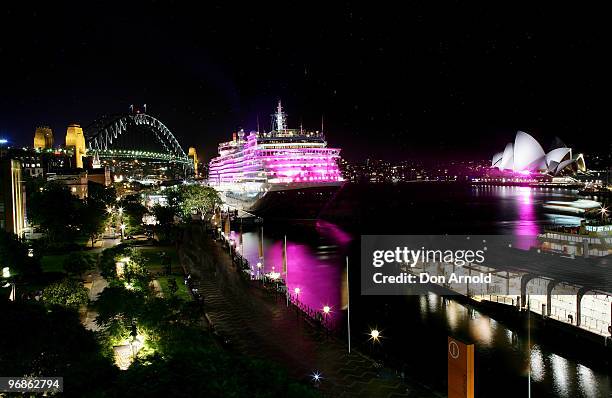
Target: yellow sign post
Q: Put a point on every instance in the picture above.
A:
(460, 369)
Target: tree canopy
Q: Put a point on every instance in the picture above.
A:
(92, 218)
(187, 200)
(38, 341)
(77, 263)
(14, 254)
(54, 209)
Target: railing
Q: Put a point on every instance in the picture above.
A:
(277, 286)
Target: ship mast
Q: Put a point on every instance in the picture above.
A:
(280, 117)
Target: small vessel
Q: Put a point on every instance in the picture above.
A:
(287, 173)
(579, 207)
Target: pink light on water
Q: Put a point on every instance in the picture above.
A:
(527, 228)
(317, 277)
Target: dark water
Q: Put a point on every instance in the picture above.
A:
(415, 328)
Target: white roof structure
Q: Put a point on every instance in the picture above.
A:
(526, 155)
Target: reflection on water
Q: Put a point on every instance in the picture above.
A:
(537, 364)
(560, 374)
(314, 268)
(418, 325)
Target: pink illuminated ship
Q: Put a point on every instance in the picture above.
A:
(254, 165)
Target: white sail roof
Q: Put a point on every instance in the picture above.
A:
(528, 153)
(507, 162)
(496, 159)
(558, 155)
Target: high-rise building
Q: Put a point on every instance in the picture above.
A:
(76, 140)
(193, 156)
(43, 138)
(12, 198)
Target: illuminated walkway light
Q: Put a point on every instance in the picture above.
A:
(375, 335)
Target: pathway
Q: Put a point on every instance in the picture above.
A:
(262, 326)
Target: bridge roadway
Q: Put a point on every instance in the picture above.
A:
(262, 326)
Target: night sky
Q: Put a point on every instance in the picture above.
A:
(396, 83)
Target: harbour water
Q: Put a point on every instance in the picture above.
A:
(414, 328)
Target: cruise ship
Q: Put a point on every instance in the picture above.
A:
(288, 173)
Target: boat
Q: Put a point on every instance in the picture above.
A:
(581, 207)
(283, 173)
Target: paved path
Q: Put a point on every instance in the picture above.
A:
(262, 326)
(98, 283)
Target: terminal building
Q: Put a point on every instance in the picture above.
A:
(12, 198)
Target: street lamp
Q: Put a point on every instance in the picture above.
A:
(604, 212)
(297, 291)
(375, 335)
(258, 269)
(326, 311)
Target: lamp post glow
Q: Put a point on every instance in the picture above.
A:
(316, 377)
(375, 335)
(604, 212)
(6, 272)
(326, 311)
(122, 226)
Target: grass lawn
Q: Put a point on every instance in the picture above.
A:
(182, 291)
(53, 263)
(151, 254)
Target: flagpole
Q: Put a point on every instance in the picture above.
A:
(348, 306)
(286, 271)
(528, 348)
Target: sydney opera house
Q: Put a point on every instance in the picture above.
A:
(526, 156)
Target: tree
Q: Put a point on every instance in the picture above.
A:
(92, 216)
(196, 198)
(165, 221)
(53, 208)
(66, 293)
(14, 254)
(78, 263)
(100, 193)
(35, 340)
(118, 308)
(172, 287)
(133, 212)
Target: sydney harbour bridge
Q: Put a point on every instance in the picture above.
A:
(134, 135)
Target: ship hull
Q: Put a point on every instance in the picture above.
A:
(283, 201)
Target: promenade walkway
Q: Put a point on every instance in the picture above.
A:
(260, 325)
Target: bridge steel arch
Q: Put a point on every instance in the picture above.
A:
(100, 134)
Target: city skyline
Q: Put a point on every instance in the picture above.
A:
(312, 199)
(423, 79)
